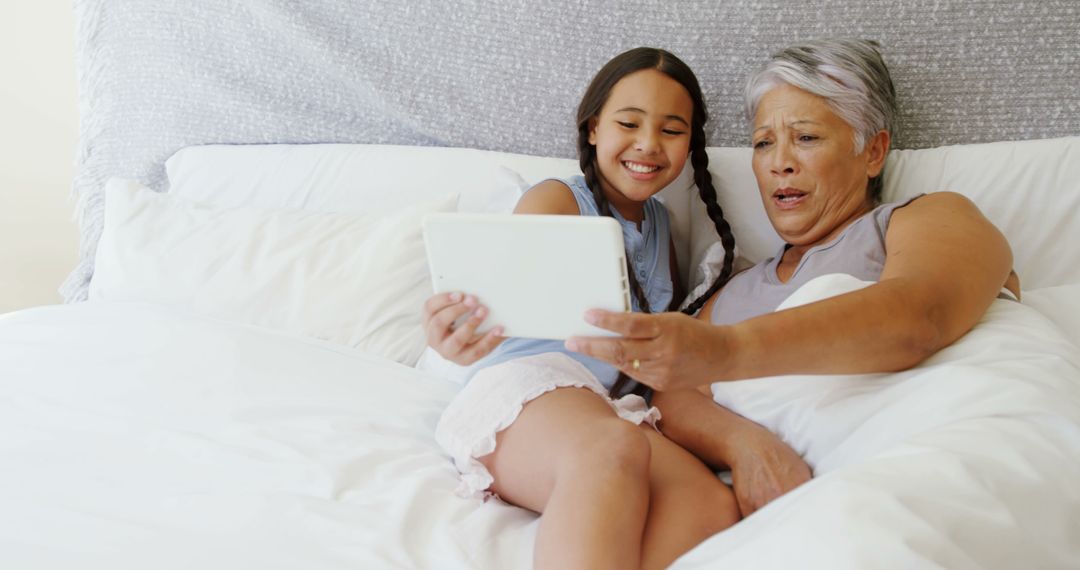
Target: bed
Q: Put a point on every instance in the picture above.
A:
(239, 379)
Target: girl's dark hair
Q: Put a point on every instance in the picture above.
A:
(592, 102)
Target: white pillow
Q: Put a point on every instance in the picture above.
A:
(737, 194)
(357, 280)
(1029, 189)
(342, 177)
(366, 178)
(1060, 304)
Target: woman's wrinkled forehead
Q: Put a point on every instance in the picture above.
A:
(788, 106)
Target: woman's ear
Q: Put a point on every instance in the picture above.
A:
(592, 131)
(877, 150)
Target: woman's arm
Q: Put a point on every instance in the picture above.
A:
(762, 466)
(945, 264)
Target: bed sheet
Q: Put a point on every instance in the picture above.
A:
(969, 460)
(1060, 304)
(135, 436)
(138, 436)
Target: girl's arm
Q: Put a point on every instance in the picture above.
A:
(548, 197)
(461, 344)
(945, 264)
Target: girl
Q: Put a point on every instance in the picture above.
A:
(537, 424)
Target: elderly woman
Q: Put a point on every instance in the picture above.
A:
(821, 116)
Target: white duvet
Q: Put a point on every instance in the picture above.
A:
(135, 436)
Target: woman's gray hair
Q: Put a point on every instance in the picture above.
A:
(849, 74)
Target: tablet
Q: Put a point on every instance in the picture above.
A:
(537, 274)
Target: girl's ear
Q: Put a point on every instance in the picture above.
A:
(592, 131)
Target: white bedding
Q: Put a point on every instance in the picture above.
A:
(969, 460)
(136, 436)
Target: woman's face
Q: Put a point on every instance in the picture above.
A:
(811, 180)
(642, 136)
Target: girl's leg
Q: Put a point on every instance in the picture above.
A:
(688, 503)
(569, 457)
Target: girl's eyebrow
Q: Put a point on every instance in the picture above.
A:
(642, 111)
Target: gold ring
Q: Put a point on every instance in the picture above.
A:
(636, 365)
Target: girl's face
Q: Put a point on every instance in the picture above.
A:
(642, 137)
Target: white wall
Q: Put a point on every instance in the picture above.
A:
(38, 133)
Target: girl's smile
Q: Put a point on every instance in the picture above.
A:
(642, 171)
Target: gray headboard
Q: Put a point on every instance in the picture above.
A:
(157, 76)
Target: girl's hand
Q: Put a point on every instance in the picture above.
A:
(460, 344)
(666, 351)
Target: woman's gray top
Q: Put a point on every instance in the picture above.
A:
(858, 251)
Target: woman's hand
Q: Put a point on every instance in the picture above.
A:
(459, 344)
(666, 351)
(763, 467)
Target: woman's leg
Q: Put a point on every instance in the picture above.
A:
(569, 457)
(688, 503)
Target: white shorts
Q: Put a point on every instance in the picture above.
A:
(492, 400)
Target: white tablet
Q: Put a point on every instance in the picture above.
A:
(536, 274)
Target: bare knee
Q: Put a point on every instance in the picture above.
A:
(718, 507)
(611, 447)
(726, 508)
(707, 505)
(683, 512)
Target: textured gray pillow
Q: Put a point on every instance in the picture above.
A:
(157, 76)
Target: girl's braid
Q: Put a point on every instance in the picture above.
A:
(700, 161)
